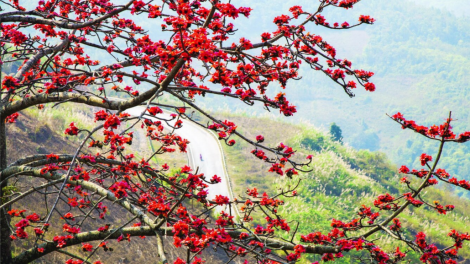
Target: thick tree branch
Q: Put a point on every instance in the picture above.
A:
(32, 254)
(35, 160)
(85, 185)
(91, 100)
(64, 23)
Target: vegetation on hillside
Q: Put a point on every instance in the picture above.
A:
(341, 180)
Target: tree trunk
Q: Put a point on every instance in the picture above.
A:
(5, 241)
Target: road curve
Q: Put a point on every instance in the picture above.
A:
(202, 143)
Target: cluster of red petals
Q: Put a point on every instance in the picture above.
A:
(385, 202)
(443, 131)
(12, 118)
(72, 130)
(366, 212)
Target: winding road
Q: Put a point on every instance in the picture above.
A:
(202, 143)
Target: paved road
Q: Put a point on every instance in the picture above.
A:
(202, 142)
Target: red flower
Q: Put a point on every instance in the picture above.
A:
(72, 130)
(252, 192)
(10, 83)
(396, 225)
(52, 156)
(69, 216)
(155, 110)
(16, 213)
(165, 166)
(104, 228)
(33, 218)
(366, 19)
(110, 48)
(38, 231)
(11, 118)
(179, 261)
(17, 37)
(20, 233)
(369, 87)
(421, 240)
(112, 121)
(222, 135)
(87, 247)
(245, 43)
(216, 179)
(404, 169)
(221, 200)
(185, 169)
(296, 11)
(22, 223)
(299, 249)
(101, 115)
(180, 228)
(293, 257)
(70, 229)
(265, 36)
(243, 236)
(226, 90)
(424, 158)
(281, 20)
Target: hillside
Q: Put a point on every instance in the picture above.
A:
(341, 180)
(33, 134)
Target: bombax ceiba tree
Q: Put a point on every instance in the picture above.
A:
(198, 54)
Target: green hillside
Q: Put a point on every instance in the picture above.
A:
(341, 181)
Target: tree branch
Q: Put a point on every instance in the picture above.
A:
(32, 254)
(64, 23)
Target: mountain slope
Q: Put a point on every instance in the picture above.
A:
(341, 180)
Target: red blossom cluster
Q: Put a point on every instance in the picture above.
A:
(366, 212)
(385, 202)
(443, 131)
(72, 130)
(10, 83)
(428, 252)
(12, 118)
(396, 226)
